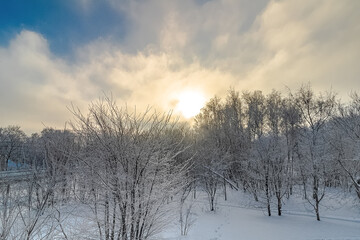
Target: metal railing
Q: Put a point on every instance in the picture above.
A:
(20, 174)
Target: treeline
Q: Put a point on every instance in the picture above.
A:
(267, 144)
(124, 167)
(129, 168)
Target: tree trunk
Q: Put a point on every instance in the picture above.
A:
(267, 195)
(316, 197)
(225, 194)
(212, 204)
(279, 205)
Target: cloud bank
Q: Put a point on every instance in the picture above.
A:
(179, 45)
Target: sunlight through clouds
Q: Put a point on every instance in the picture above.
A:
(172, 46)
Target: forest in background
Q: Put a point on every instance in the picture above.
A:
(131, 169)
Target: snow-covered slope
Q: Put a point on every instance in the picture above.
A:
(235, 220)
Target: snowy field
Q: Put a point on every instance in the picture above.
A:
(237, 219)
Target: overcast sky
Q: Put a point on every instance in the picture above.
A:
(54, 53)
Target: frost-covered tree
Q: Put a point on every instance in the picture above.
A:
(347, 144)
(236, 137)
(313, 151)
(131, 168)
(290, 124)
(277, 154)
(259, 165)
(11, 143)
(47, 184)
(212, 149)
(60, 148)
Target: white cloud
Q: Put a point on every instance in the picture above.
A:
(37, 87)
(310, 41)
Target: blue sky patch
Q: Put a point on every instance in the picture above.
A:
(63, 23)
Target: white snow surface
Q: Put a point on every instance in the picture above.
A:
(239, 219)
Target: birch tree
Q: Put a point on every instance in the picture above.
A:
(348, 123)
(315, 112)
(278, 165)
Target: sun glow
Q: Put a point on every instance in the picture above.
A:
(190, 103)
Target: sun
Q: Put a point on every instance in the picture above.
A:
(190, 103)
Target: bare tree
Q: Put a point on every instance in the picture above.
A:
(11, 142)
(260, 162)
(212, 150)
(315, 112)
(236, 138)
(290, 124)
(131, 167)
(348, 123)
(186, 216)
(60, 148)
(9, 194)
(45, 184)
(278, 168)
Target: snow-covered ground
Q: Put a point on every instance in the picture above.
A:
(238, 219)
